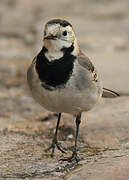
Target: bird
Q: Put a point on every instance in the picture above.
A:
(63, 79)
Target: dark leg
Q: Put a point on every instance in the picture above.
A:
(54, 142)
(74, 154)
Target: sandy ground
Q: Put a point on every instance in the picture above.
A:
(26, 129)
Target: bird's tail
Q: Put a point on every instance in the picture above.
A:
(109, 93)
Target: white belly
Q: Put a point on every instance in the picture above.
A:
(69, 99)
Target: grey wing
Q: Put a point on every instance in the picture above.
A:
(85, 62)
(30, 71)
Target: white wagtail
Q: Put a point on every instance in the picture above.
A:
(62, 78)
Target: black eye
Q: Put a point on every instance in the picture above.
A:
(64, 33)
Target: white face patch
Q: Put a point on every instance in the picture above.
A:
(58, 31)
(53, 55)
(52, 29)
(61, 40)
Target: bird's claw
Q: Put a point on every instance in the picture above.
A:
(55, 143)
(72, 158)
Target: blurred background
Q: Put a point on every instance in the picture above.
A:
(102, 29)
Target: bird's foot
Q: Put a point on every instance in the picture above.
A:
(72, 158)
(55, 143)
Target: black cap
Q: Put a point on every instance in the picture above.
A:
(62, 22)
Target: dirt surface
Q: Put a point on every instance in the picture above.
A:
(26, 129)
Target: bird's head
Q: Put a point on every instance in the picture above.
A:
(60, 37)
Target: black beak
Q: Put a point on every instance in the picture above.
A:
(51, 37)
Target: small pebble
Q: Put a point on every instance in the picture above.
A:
(70, 136)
